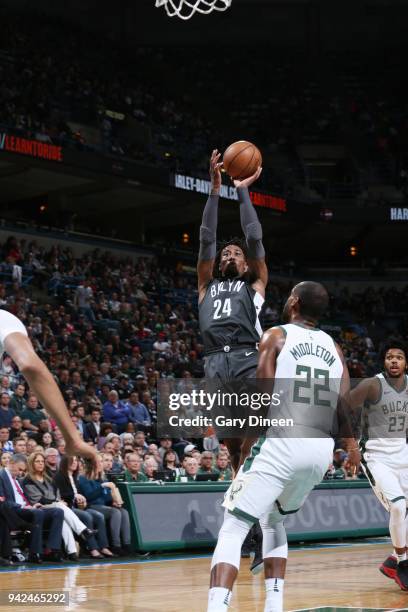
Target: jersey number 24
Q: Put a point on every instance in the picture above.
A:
(222, 308)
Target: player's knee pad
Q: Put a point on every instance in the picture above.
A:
(398, 510)
(275, 543)
(230, 539)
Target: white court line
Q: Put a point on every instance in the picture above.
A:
(348, 608)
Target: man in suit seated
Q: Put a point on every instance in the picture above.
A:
(37, 516)
(93, 427)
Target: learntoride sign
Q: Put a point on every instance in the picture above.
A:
(33, 148)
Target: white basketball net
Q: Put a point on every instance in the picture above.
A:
(186, 8)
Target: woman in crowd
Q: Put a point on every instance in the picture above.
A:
(5, 459)
(39, 489)
(46, 440)
(106, 429)
(101, 496)
(169, 463)
(66, 481)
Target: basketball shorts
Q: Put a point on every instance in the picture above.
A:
(277, 477)
(234, 365)
(388, 476)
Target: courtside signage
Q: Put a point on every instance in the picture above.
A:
(191, 183)
(32, 148)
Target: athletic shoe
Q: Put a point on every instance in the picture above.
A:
(401, 576)
(389, 567)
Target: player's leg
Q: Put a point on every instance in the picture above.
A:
(226, 561)
(275, 554)
(251, 495)
(386, 485)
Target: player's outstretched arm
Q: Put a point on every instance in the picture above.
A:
(42, 383)
(253, 232)
(208, 229)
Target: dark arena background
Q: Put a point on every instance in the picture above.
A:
(109, 113)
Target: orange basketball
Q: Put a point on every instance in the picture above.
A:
(242, 159)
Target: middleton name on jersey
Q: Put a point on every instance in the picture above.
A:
(315, 350)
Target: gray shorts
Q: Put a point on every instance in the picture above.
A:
(231, 366)
(227, 372)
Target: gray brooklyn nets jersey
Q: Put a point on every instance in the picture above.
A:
(229, 314)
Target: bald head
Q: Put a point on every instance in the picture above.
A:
(307, 299)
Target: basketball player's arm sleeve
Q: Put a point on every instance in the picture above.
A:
(250, 225)
(208, 230)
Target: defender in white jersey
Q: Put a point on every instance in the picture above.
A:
(282, 470)
(383, 400)
(14, 340)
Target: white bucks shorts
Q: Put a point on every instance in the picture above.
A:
(388, 475)
(278, 476)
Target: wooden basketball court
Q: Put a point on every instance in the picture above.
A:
(324, 578)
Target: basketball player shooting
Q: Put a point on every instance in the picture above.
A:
(231, 291)
(14, 340)
(383, 399)
(277, 477)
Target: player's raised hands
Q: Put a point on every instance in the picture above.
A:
(215, 172)
(248, 181)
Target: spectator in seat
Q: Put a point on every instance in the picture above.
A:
(17, 401)
(98, 493)
(206, 463)
(191, 468)
(46, 440)
(222, 467)
(111, 448)
(140, 440)
(52, 459)
(83, 299)
(39, 489)
(116, 412)
(166, 444)
(6, 413)
(133, 468)
(20, 446)
(66, 481)
(92, 428)
(138, 413)
(106, 429)
(12, 491)
(31, 445)
(16, 428)
(61, 447)
(5, 386)
(5, 459)
(170, 463)
(32, 415)
(150, 467)
(124, 387)
(6, 444)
